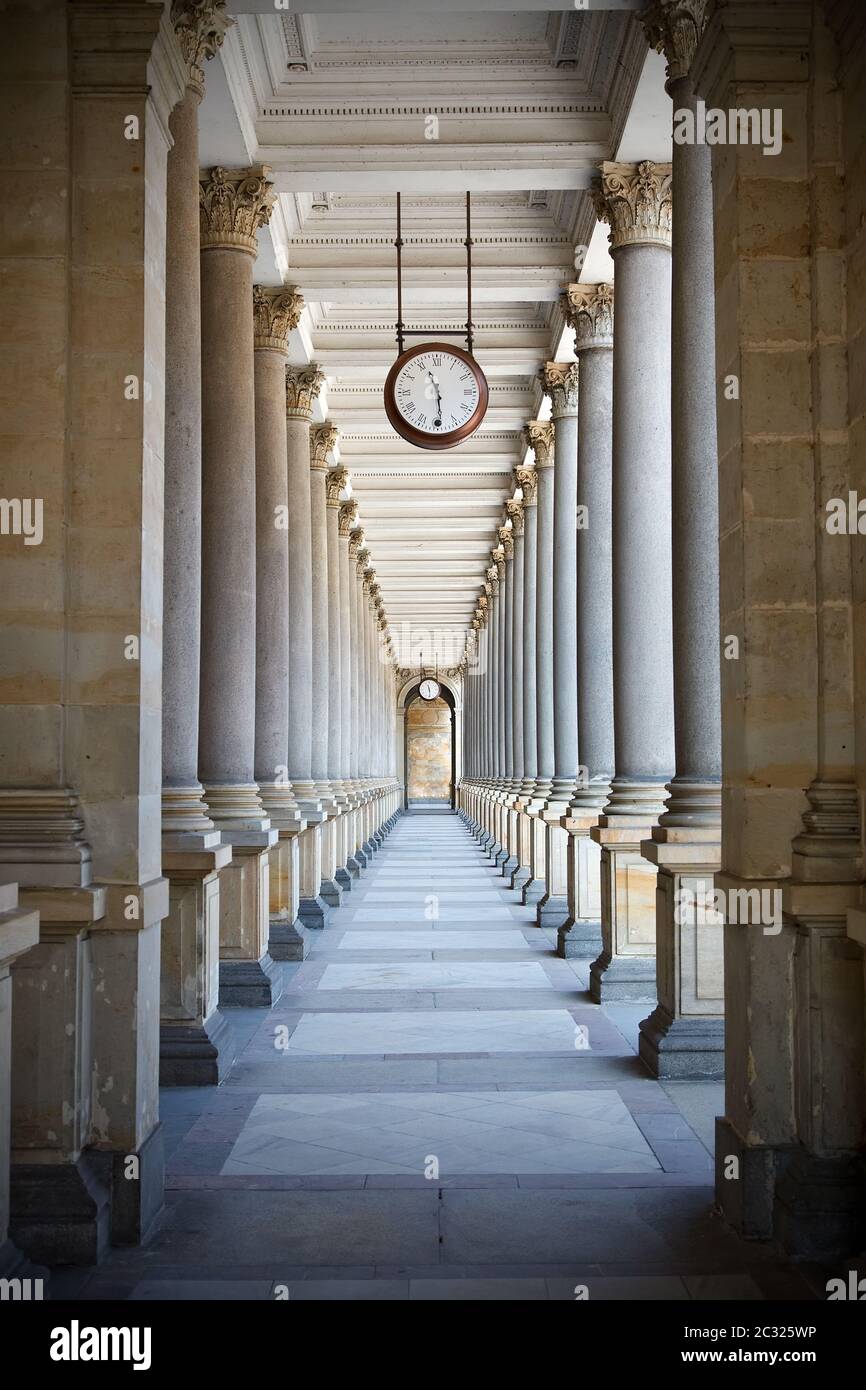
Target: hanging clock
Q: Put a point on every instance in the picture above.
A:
(429, 689)
(435, 395)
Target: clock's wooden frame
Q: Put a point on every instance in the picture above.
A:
(448, 439)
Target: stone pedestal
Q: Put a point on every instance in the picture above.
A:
(684, 1037)
(194, 1038)
(626, 967)
(580, 934)
(288, 938)
(248, 975)
(19, 931)
(313, 911)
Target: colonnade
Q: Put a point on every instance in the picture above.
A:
(681, 800)
(207, 594)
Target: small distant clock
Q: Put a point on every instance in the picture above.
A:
(429, 689)
(436, 395)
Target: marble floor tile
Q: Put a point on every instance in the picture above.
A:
(436, 975)
(366, 940)
(439, 1031)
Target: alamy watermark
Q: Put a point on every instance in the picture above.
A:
(737, 126)
(22, 516)
(705, 905)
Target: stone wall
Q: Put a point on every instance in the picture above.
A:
(428, 740)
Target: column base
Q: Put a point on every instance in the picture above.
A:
(579, 940)
(136, 1205)
(60, 1214)
(314, 913)
(680, 1049)
(519, 878)
(344, 879)
(196, 1054)
(14, 1264)
(353, 865)
(362, 857)
(510, 865)
(288, 940)
(820, 1206)
(631, 979)
(552, 911)
(331, 891)
(745, 1182)
(249, 984)
(534, 890)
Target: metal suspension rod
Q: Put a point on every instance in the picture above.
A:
(399, 245)
(468, 272)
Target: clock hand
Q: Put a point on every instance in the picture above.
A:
(438, 399)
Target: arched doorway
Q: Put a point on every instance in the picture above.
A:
(429, 750)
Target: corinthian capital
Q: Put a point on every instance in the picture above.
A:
(233, 204)
(588, 309)
(493, 578)
(275, 313)
(525, 479)
(514, 508)
(675, 28)
(361, 557)
(559, 380)
(200, 26)
(336, 481)
(506, 541)
(348, 519)
(539, 436)
(356, 541)
(635, 200)
(323, 438)
(303, 385)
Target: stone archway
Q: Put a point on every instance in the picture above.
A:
(429, 752)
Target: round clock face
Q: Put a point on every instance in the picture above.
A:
(429, 689)
(435, 395)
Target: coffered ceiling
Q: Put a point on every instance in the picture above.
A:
(346, 108)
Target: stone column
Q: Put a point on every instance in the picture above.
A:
(514, 510)
(276, 313)
(494, 672)
(789, 1148)
(19, 931)
(194, 1037)
(525, 479)
(542, 437)
(349, 868)
(303, 385)
(560, 383)
(636, 200)
(356, 542)
(589, 310)
(685, 1034)
(233, 205)
(323, 439)
(506, 746)
(83, 433)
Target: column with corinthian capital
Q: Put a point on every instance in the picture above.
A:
(589, 311)
(336, 482)
(685, 1035)
(506, 746)
(323, 439)
(348, 523)
(525, 479)
(514, 511)
(636, 200)
(233, 205)
(195, 1039)
(541, 436)
(276, 312)
(559, 380)
(303, 385)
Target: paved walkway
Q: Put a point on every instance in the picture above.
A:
(435, 1109)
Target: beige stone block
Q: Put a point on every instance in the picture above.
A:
(33, 304)
(34, 209)
(829, 208)
(33, 118)
(32, 387)
(778, 479)
(792, 161)
(773, 218)
(775, 302)
(34, 44)
(31, 742)
(31, 665)
(107, 308)
(95, 553)
(780, 653)
(857, 376)
(102, 154)
(731, 578)
(98, 407)
(778, 557)
(776, 392)
(855, 286)
(758, 824)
